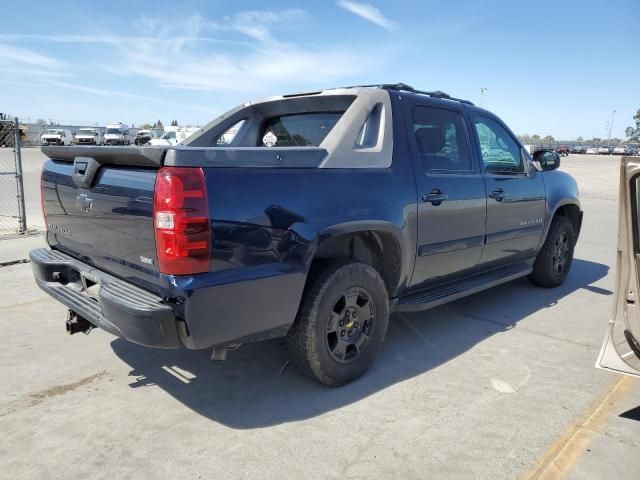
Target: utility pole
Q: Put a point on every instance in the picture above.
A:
(482, 90)
(613, 114)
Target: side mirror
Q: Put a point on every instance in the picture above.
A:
(547, 159)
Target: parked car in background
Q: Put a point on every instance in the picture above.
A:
(57, 136)
(592, 151)
(117, 134)
(623, 150)
(173, 136)
(581, 149)
(142, 137)
(324, 213)
(603, 151)
(88, 136)
(563, 150)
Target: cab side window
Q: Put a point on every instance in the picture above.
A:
(441, 140)
(500, 152)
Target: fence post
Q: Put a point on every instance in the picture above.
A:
(20, 185)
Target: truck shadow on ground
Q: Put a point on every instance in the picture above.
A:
(248, 390)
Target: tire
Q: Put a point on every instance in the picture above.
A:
(554, 260)
(325, 324)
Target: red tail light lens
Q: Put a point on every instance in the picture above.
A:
(181, 221)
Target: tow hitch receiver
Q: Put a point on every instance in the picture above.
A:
(76, 324)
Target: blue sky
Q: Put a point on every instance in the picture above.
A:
(550, 67)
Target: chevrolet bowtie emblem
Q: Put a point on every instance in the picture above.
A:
(84, 203)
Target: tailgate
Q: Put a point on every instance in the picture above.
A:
(99, 208)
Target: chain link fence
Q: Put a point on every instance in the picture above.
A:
(12, 211)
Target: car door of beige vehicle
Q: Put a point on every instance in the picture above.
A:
(620, 351)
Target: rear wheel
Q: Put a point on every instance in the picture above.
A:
(554, 260)
(341, 324)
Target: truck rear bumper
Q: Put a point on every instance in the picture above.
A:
(106, 301)
(238, 306)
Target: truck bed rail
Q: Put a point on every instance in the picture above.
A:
(128, 155)
(179, 156)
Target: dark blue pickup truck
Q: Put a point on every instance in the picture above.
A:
(310, 216)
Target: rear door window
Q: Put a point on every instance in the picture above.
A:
(441, 140)
(300, 130)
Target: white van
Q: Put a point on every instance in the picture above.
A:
(173, 136)
(88, 136)
(117, 134)
(56, 136)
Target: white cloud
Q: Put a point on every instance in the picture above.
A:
(262, 61)
(255, 71)
(97, 91)
(33, 72)
(107, 39)
(258, 24)
(368, 12)
(131, 96)
(239, 52)
(10, 55)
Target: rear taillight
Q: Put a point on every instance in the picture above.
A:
(181, 221)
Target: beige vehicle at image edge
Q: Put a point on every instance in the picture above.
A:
(620, 351)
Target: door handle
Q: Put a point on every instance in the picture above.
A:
(498, 195)
(436, 197)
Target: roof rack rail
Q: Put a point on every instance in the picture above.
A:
(408, 88)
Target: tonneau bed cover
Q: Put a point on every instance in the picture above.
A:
(127, 155)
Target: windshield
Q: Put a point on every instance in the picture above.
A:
(169, 135)
(114, 131)
(85, 131)
(54, 132)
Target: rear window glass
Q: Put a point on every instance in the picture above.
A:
(370, 131)
(230, 133)
(300, 130)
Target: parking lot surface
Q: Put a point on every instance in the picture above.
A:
(496, 385)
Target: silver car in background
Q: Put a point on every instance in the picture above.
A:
(604, 151)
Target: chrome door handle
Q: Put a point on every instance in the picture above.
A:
(498, 195)
(436, 197)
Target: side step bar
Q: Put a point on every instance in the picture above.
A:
(433, 297)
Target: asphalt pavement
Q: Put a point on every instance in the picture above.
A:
(497, 385)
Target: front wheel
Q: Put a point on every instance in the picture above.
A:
(341, 324)
(554, 259)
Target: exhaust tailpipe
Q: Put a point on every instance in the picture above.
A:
(76, 324)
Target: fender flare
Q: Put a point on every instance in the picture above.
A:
(552, 214)
(346, 228)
